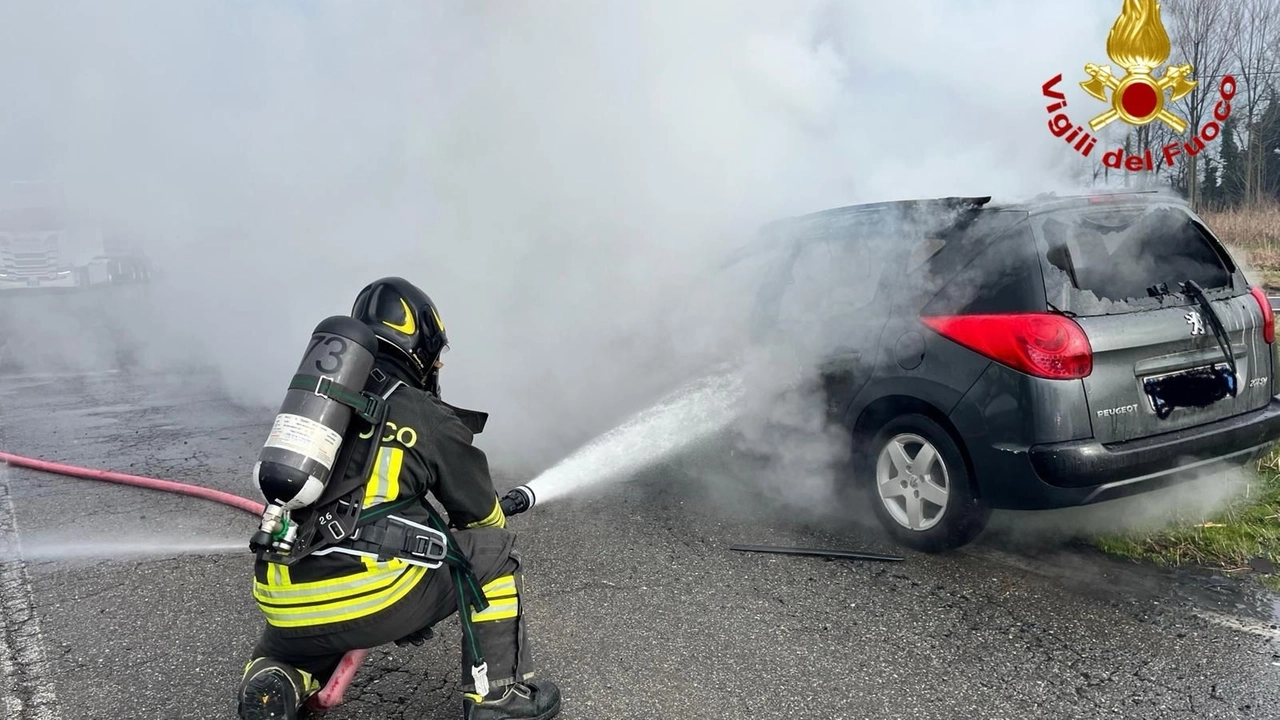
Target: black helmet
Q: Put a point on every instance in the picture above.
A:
(406, 321)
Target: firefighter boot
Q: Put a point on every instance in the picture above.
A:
(535, 700)
(271, 690)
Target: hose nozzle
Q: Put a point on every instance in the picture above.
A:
(517, 501)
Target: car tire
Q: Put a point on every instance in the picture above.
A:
(907, 498)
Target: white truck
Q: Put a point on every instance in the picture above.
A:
(44, 244)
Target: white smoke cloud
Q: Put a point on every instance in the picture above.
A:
(554, 174)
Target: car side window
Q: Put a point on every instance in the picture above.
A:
(923, 251)
(1005, 277)
(828, 278)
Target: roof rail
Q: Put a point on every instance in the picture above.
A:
(1107, 193)
(950, 202)
(768, 231)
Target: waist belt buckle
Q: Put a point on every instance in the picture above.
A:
(427, 546)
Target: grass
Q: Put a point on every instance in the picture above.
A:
(1228, 540)
(1250, 527)
(1253, 235)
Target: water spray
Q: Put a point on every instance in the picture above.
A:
(688, 415)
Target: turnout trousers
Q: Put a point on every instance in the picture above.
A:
(499, 630)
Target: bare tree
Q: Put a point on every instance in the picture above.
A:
(1200, 34)
(1253, 25)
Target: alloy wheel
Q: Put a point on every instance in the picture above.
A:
(912, 481)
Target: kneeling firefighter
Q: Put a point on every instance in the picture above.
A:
(351, 553)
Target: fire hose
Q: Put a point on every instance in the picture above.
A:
(516, 501)
(331, 694)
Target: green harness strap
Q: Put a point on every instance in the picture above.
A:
(469, 591)
(377, 512)
(470, 596)
(364, 404)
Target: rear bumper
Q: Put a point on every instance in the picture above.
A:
(1086, 471)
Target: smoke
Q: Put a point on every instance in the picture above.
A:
(1209, 492)
(559, 176)
(795, 451)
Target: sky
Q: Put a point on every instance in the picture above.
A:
(556, 175)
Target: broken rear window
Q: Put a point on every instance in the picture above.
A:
(1099, 261)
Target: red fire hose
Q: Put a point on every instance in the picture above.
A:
(328, 697)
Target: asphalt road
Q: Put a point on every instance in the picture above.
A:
(637, 606)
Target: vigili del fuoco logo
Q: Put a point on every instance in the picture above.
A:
(1139, 44)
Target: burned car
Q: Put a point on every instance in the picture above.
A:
(1044, 354)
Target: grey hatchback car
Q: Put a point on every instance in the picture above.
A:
(1044, 354)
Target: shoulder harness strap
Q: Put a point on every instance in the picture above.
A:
(336, 514)
(367, 405)
(339, 525)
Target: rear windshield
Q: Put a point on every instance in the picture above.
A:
(1107, 260)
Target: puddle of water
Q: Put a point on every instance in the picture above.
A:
(1088, 571)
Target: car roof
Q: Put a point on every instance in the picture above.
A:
(891, 207)
(921, 208)
(1051, 202)
(938, 214)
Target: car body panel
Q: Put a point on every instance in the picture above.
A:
(944, 374)
(1035, 442)
(1085, 472)
(1129, 349)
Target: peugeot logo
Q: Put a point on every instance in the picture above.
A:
(1195, 321)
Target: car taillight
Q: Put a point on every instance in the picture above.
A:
(1040, 344)
(1268, 316)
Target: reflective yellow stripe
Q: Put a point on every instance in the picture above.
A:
(496, 517)
(300, 608)
(329, 589)
(504, 603)
(393, 477)
(504, 586)
(504, 609)
(350, 596)
(351, 609)
(373, 571)
(384, 478)
(279, 575)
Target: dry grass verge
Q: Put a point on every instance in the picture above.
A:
(1253, 235)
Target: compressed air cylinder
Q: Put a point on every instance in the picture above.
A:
(299, 454)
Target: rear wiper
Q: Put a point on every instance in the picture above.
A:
(1196, 292)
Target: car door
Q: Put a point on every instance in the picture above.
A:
(823, 311)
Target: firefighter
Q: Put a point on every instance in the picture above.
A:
(337, 600)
